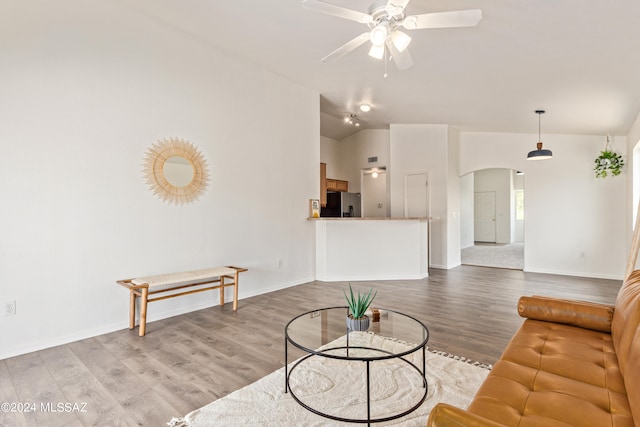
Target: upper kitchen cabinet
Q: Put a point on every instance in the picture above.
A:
(337, 185)
(328, 184)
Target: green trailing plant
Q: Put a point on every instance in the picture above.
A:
(358, 305)
(608, 162)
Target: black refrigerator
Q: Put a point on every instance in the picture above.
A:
(341, 204)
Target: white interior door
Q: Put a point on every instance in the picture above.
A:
(416, 202)
(417, 196)
(484, 222)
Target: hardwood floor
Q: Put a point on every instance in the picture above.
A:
(190, 360)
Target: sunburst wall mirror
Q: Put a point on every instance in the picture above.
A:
(176, 171)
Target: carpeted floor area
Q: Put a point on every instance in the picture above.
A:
(509, 256)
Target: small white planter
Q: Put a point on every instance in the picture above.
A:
(361, 324)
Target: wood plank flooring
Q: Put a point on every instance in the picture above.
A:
(190, 360)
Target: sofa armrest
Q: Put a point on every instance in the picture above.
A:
(583, 314)
(445, 415)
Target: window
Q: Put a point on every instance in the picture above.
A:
(519, 205)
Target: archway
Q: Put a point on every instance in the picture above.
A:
(492, 218)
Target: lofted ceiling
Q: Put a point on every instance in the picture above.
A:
(578, 60)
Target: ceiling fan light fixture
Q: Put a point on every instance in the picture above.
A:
(378, 34)
(400, 40)
(383, 18)
(376, 51)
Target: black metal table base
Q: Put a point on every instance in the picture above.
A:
(368, 420)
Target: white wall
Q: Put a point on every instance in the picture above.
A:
(575, 223)
(86, 88)
(466, 210)
(356, 149)
(454, 257)
(518, 224)
(424, 148)
(330, 154)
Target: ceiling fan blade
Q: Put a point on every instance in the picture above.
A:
(402, 59)
(347, 47)
(458, 18)
(339, 11)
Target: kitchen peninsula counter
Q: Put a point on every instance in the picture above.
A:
(371, 248)
(372, 218)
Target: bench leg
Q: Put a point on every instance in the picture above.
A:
(132, 309)
(143, 311)
(221, 290)
(235, 292)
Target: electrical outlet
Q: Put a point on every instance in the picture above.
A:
(10, 308)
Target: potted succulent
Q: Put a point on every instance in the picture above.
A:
(358, 306)
(608, 162)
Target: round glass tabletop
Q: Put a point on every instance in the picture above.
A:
(323, 332)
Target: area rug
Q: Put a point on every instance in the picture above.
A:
(339, 388)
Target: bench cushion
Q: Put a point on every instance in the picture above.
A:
(186, 276)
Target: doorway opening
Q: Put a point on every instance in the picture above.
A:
(374, 193)
(492, 219)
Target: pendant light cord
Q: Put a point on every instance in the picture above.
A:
(539, 113)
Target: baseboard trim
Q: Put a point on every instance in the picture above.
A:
(366, 278)
(575, 274)
(7, 353)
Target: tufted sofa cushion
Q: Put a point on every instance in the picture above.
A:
(571, 363)
(555, 375)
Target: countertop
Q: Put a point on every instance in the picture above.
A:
(369, 219)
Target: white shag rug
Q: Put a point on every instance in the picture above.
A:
(338, 387)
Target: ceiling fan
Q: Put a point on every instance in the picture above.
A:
(384, 19)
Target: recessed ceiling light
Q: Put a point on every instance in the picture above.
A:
(365, 107)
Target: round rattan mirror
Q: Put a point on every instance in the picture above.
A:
(176, 171)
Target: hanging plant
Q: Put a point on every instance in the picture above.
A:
(608, 162)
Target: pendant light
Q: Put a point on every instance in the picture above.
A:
(539, 154)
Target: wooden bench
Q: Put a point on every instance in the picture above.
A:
(174, 284)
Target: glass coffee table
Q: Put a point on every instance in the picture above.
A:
(391, 337)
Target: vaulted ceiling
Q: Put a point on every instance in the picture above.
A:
(578, 60)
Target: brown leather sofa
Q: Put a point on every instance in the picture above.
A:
(570, 364)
